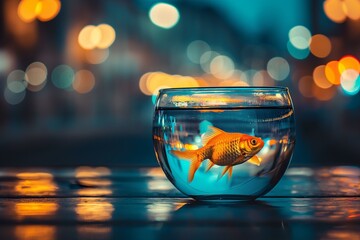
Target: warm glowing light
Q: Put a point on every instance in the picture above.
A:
(36, 73)
(164, 15)
(89, 172)
(47, 9)
(196, 49)
(334, 10)
(36, 184)
(107, 36)
(323, 94)
(262, 78)
(62, 76)
(101, 36)
(205, 60)
(35, 232)
(348, 62)
(27, 10)
(89, 37)
(299, 36)
(278, 68)
(350, 82)
(297, 53)
(44, 10)
(97, 56)
(320, 46)
(84, 81)
(94, 209)
(320, 78)
(332, 72)
(143, 84)
(352, 9)
(222, 67)
(35, 208)
(306, 86)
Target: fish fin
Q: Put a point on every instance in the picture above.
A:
(210, 164)
(255, 160)
(209, 134)
(230, 172)
(189, 155)
(225, 170)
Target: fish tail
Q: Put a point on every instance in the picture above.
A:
(193, 157)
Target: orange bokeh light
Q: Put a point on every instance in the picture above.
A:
(323, 94)
(27, 10)
(306, 86)
(334, 10)
(84, 81)
(348, 62)
(44, 10)
(320, 46)
(332, 72)
(352, 9)
(319, 77)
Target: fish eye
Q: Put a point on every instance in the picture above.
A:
(253, 141)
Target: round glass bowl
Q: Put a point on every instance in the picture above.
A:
(224, 143)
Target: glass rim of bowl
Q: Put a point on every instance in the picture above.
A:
(224, 97)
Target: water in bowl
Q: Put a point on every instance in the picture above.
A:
(182, 129)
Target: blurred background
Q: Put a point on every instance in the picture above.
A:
(78, 79)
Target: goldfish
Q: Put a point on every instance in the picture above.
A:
(223, 149)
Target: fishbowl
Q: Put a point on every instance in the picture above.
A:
(224, 143)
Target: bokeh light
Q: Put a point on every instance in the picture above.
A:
(320, 46)
(62, 76)
(101, 36)
(352, 9)
(164, 15)
(84, 81)
(6, 61)
(320, 78)
(47, 9)
(205, 60)
(13, 98)
(97, 56)
(16, 82)
(89, 37)
(299, 36)
(305, 85)
(107, 36)
(334, 10)
(348, 85)
(196, 49)
(36, 73)
(323, 94)
(297, 53)
(332, 72)
(222, 67)
(27, 10)
(348, 62)
(44, 10)
(278, 68)
(350, 82)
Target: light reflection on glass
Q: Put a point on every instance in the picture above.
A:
(341, 234)
(30, 232)
(159, 185)
(94, 209)
(94, 232)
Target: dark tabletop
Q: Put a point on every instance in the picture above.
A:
(140, 203)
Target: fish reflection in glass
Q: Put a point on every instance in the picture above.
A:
(223, 149)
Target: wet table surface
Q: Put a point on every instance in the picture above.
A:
(140, 203)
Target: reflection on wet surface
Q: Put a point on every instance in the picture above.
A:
(94, 209)
(319, 203)
(32, 232)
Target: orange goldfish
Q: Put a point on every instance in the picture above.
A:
(223, 149)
